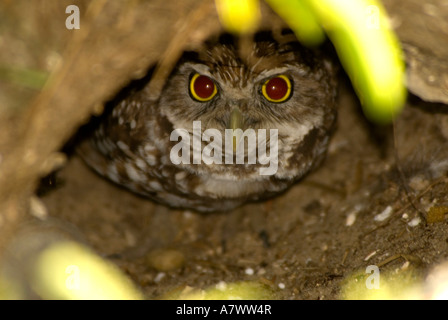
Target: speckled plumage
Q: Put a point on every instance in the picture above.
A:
(132, 145)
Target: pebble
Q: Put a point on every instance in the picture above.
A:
(383, 215)
(165, 259)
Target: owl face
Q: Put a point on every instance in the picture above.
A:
(277, 88)
(281, 87)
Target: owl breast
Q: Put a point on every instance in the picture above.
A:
(226, 128)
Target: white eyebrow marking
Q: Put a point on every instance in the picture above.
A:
(199, 68)
(267, 73)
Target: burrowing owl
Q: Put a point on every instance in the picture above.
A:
(222, 118)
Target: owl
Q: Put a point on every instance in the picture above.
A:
(230, 126)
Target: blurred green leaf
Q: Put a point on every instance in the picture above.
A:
(33, 79)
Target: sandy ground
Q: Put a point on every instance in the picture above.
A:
(354, 211)
(379, 199)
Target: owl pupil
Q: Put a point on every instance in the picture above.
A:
(204, 87)
(276, 88)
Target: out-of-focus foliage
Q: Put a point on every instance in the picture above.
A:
(361, 34)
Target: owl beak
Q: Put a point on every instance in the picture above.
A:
(236, 122)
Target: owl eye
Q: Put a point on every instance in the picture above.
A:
(277, 89)
(202, 88)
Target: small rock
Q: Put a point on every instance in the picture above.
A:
(165, 259)
(436, 214)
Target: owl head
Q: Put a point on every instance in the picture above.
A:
(274, 85)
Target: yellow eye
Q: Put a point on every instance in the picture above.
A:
(277, 89)
(202, 88)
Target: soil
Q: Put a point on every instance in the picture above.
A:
(380, 198)
(302, 244)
